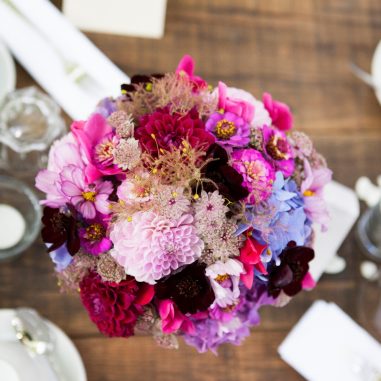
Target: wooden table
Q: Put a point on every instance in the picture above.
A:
(299, 51)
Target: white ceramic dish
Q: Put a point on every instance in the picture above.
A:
(18, 365)
(7, 72)
(376, 69)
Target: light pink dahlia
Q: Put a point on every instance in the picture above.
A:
(150, 246)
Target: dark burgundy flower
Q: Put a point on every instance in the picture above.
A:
(190, 289)
(114, 307)
(228, 180)
(163, 130)
(138, 79)
(289, 275)
(60, 229)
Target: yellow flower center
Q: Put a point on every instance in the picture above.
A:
(221, 278)
(89, 196)
(95, 232)
(308, 193)
(225, 129)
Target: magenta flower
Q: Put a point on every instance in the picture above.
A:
(87, 198)
(312, 190)
(229, 129)
(186, 67)
(240, 107)
(258, 174)
(97, 140)
(93, 237)
(280, 113)
(278, 150)
(173, 319)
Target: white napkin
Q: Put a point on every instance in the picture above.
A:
(344, 209)
(45, 43)
(327, 345)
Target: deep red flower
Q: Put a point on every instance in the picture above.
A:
(189, 289)
(227, 179)
(289, 275)
(162, 130)
(114, 307)
(60, 229)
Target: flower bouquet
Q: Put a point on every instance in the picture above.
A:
(179, 209)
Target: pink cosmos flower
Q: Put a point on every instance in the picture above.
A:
(172, 319)
(63, 153)
(97, 140)
(312, 190)
(150, 246)
(279, 112)
(186, 67)
(93, 236)
(237, 106)
(258, 174)
(87, 198)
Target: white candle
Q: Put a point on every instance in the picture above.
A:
(12, 226)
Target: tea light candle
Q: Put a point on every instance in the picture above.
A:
(12, 226)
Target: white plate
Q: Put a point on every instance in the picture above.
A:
(66, 355)
(376, 69)
(7, 72)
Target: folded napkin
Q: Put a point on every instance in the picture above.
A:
(344, 209)
(327, 345)
(56, 54)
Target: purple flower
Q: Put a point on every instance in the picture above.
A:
(61, 258)
(87, 198)
(210, 334)
(278, 150)
(258, 174)
(106, 107)
(93, 237)
(229, 129)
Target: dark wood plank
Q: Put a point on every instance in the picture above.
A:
(299, 51)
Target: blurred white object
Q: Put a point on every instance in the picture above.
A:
(14, 357)
(7, 72)
(369, 270)
(65, 63)
(344, 209)
(376, 70)
(143, 18)
(327, 345)
(367, 191)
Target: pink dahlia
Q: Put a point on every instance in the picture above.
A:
(257, 173)
(278, 150)
(164, 131)
(114, 307)
(229, 129)
(150, 246)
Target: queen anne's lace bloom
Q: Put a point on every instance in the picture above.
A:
(150, 246)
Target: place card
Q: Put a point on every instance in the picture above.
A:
(143, 18)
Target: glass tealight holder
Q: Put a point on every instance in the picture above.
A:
(20, 217)
(29, 123)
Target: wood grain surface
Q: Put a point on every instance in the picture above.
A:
(298, 50)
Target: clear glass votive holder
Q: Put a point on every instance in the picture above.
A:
(29, 123)
(20, 217)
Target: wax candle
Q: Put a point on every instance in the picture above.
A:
(12, 226)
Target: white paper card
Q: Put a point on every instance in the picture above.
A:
(144, 18)
(327, 345)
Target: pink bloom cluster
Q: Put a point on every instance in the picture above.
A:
(179, 209)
